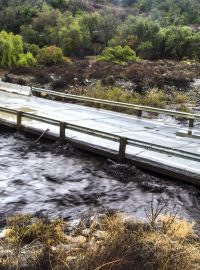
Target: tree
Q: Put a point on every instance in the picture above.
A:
(139, 28)
(118, 55)
(181, 42)
(12, 51)
(50, 56)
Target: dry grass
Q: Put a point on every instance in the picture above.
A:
(29, 241)
(138, 246)
(154, 97)
(115, 242)
(180, 98)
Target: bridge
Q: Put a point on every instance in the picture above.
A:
(163, 146)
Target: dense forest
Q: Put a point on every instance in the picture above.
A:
(49, 31)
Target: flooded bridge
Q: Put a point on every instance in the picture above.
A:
(160, 145)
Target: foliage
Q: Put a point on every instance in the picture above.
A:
(26, 60)
(154, 97)
(50, 56)
(11, 51)
(32, 48)
(118, 55)
(153, 41)
(23, 229)
(152, 28)
(30, 241)
(142, 247)
(116, 241)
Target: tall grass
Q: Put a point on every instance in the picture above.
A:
(133, 245)
(154, 97)
(114, 242)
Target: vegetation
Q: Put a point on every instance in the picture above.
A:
(153, 29)
(121, 39)
(113, 242)
(51, 55)
(12, 51)
(118, 55)
(154, 97)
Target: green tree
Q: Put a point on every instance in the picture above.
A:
(143, 29)
(50, 56)
(118, 55)
(181, 42)
(12, 52)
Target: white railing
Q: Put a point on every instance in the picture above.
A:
(123, 141)
(139, 108)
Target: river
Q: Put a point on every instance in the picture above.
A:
(47, 179)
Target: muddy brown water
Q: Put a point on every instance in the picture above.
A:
(59, 181)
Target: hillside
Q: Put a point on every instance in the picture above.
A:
(154, 29)
(133, 45)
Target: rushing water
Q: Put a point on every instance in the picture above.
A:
(44, 178)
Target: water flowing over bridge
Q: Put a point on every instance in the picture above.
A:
(162, 145)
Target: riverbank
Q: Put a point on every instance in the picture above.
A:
(64, 182)
(162, 83)
(79, 73)
(106, 242)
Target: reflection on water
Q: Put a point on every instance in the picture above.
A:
(43, 178)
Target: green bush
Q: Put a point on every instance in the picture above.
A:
(12, 51)
(32, 48)
(118, 55)
(50, 56)
(145, 50)
(26, 60)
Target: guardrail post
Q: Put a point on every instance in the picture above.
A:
(31, 90)
(122, 149)
(62, 131)
(139, 113)
(98, 105)
(19, 121)
(191, 125)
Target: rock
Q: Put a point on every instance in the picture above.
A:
(79, 240)
(97, 218)
(110, 80)
(7, 78)
(86, 232)
(75, 222)
(66, 247)
(127, 85)
(4, 233)
(60, 83)
(194, 91)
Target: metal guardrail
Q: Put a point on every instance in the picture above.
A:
(123, 141)
(139, 108)
(22, 89)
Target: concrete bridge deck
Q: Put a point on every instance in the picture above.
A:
(159, 132)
